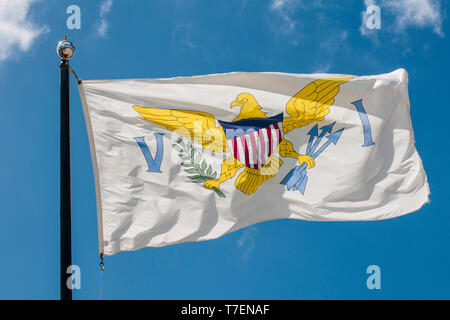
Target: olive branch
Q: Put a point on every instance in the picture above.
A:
(192, 161)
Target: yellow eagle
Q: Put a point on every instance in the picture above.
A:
(312, 103)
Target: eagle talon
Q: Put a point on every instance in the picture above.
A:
(211, 184)
(310, 163)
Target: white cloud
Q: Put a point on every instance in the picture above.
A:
(284, 9)
(322, 68)
(17, 31)
(409, 13)
(105, 8)
(420, 13)
(335, 44)
(285, 21)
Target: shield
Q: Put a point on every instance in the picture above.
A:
(252, 141)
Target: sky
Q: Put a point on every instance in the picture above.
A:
(283, 259)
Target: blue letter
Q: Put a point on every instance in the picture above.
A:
(365, 121)
(154, 164)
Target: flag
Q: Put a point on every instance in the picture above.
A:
(194, 158)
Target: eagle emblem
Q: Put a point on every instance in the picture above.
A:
(254, 141)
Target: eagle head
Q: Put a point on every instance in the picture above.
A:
(249, 107)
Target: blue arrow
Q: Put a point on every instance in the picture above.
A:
(325, 129)
(294, 176)
(332, 138)
(301, 185)
(314, 132)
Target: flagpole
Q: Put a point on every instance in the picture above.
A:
(65, 50)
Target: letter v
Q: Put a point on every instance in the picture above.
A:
(154, 163)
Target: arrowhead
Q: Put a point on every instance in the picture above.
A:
(288, 177)
(335, 136)
(328, 128)
(294, 176)
(314, 131)
(302, 185)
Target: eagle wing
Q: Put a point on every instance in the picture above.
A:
(198, 126)
(312, 103)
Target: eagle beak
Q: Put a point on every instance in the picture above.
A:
(234, 104)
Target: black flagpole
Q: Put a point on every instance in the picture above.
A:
(65, 50)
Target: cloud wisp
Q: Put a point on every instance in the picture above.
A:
(284, 9)
(407, 14)
(17, 31)
(420, 13)
(105, 8)
(285, 21)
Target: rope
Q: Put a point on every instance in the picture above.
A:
(102, 267)
(75, 74)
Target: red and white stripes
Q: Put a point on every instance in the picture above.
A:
(255, 148)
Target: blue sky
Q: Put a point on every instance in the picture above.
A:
(284, 259)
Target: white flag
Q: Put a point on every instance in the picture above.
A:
(194, 158)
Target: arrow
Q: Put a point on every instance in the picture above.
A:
(314, 132)
(296, 179)
(325, 129)
(294, 176)
(332, 138)
(301, 185)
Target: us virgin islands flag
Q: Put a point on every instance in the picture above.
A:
(193, 158)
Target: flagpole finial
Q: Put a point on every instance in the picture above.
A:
(65, 49)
